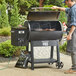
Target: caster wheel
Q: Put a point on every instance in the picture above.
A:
(59, 65)
(50, 63)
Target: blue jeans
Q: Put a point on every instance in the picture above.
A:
(73, 56)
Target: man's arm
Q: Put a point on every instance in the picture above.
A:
(69, 36)
(59, 8)
(73, 23)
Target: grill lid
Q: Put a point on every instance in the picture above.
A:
(43, 15)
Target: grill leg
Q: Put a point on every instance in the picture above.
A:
(27, 48)
(58, 54)
(58, 64)
(32, 58)
(51, 52)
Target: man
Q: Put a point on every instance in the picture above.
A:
(71, 37)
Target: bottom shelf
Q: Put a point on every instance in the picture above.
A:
(44, 60)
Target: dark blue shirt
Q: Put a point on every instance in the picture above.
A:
(71, 16)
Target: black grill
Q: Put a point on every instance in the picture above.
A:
(42, 29)
(36, 26)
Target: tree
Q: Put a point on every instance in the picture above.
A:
(57, 2)
(41, 3)
(26, 5)
(4, 17)
(54, 2)
(14, 21)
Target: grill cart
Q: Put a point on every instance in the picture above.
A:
(43, 29)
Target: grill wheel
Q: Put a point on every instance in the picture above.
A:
(59, 65)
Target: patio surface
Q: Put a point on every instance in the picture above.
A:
(40, 69)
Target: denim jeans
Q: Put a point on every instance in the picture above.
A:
(73, 56)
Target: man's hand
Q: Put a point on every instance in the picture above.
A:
(58, 8)
(69, 37)
(54, 7)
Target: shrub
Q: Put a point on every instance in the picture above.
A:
(4, 17)
(22, 19)
(49, 6)
(54, 2)
(62, 16)
(63, 47)
(7, 50)
(14, 19)
(5, 31)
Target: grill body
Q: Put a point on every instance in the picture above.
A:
(37, 30)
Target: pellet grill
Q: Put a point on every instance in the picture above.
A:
(42, 29)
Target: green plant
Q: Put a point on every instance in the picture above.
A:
(49, 6)
(22, 19)
(14, 19)
(0, 16)
(62, 17)
(4, 17)
(54, 2)
(63, 47)
(5, 31)
(6, 49)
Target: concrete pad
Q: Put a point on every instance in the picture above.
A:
(40, 69)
